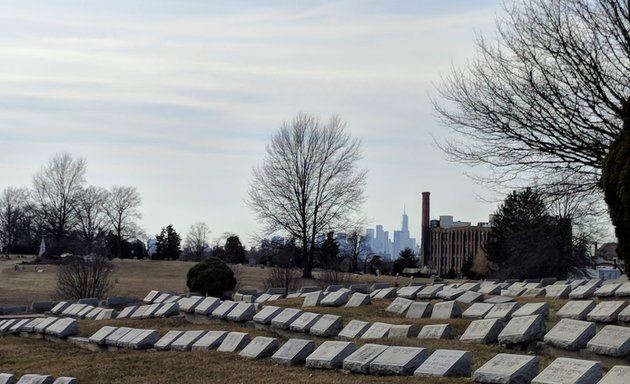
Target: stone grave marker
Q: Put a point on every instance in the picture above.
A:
(242, 312)
(17, 326)
(234, 341)
(571, 334)
(359, 361)
(99, 336)
(309, 289)
(151, 296)
(113, 337)
(534, 292)
(166, 310)
(94, 313)
(385, 293)
(7, 378)
(448, 293)
(63, 328)
(477, 310)
(377, 286)
(619, 374)
(336, 299)
(429, 292)
(499, 300)
(189, 304)
(185, 341)
(484, 331)
(327, 326)
(399, 305)
(530, 309)
(502, 311)
(211, 340)
(150, 311)
(124, 340)
(576, 283)
(330, 355)
(470, 297)
(358, 299)
(402, 330)
(293, 352)
(262, 298)
(207, 305)
(265, 315)
(624, 316)
(164, 343)
(354, 329)
(446, 362)
(304, 322)
(507, 368)
(490, 289)
(84, 312)
(29, 327)
(560, 291)
(260, 347)
(419, 309)
(583, 292)
(274, 297)
(312, 299)
(66, 380)
(41, 327)
(523, 329)
(60, 307)
(284, 319)
(623, 290)
(395, 360)
(564, 370)
(73, 309)
(607, 290)
(35, 379)
(145, 339)
(436, 331)
(161, 298)
(513, 291)
(611, 340)
(470, 286)
(408, 292)
(224, 309)
(606, 311)
(576, 310)
(377, 330)
(106, 314)
(361, 288)
(446, 310)
(127, 312)
(334, 287)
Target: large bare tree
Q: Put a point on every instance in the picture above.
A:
(91, 217)
(13, 205)
(197, 239)
(123, 210)
(309, 182)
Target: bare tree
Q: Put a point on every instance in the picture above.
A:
(544, 99)
(91, 216)
(56, 188)
(83, 277)
(356, 248)
(309, 182)
(13, 206)
(197, 239)
(123, 209)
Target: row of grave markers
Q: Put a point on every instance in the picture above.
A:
(8, 378)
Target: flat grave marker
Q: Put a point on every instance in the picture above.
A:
(211, 340)
(483, 331)
(359, 361)
(377, 330)
(446, 310)
(619, 374)
(164, 343)
(207, 305)
(293, 352)
(507, 368)
(502, 311)
(436, 331)
(571, 334)
(477, 310)
(304, 322)
(234, 341)
(354, 329)
(312, 299)
(606, 311)
(397, 360)
(447, 363)
(358, 299)
(399, 305)
(611, 340)
(327, 326)
(564, 370)
(523, 329)
(576, 310)
(330, 355)
(284, 319)
(265, 315)
(260, 347)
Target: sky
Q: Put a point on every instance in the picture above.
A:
(179, 98)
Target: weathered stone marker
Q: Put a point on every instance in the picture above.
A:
(530, 309)
(242, 312)
(576, 310)
(358, 299)
(564, 370)
(284, 319)
(611, 340)
(224, 309)
(207, 305)
(399, 305)
(312, 299)
(523, 329)
(265, 315)
(99, 336)
(354, 329)
(260, 347)
(186, 341)
(446, 310)
(377, 331)
(477, 310)
(330, 355)
(606, 311)
(571, 334)
(304, 322)
(402, 330)
(446, 362)
(436, 331)
(293, 352)
(484, 331)
(419, 309)
(210, 340)
(619, 374)
(164, 344)
(398, 361)
(359, 361)
(507, 368)
(327, 326)
(502, 311)
(234, 341)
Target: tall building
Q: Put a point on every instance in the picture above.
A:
(381, 244)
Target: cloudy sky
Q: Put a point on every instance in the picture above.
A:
(180, 97)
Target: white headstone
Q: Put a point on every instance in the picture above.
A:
(124, 341)
(151, 296)
(260, 347)
(446, 310)
(189, 304)
(234, 341)
(436, 331)
(293, 352)
(330, 355)
(376, 331)
(385, 293)
(446, 362)
(211, 340)
(35, 379)
(530, 309)
(224, 309)
(408, 292)
(284, 319)
(312, 299)
(502, 311)
(265, 315)
(207, 305)
(571, 334)
(63, 328)
(359, 361)
(164, 343)
(624, 316)
(429, 292)
(470, 297)
(127, 312)
(576, 310)
(146, 339)
(623, 290)
(113, 337)
(507, 368)
(167, 310)
(477, 310)
(242, 312)
(304, 322)
(336, 299)
(399, 305)
(419, 309)
(523, 329)
(185, 341)
(611, 340)
(564, 370)
(606, 311)
(560, 291)
(327, 326)
(484, 331)
(397, 360)
(402, 331)
(358, 299)
(583, 292)
(607, 290)
(354, 329)
(619, 374)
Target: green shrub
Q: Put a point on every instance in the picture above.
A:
(211, 277)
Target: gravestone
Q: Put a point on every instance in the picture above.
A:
(276, 291)
(41, 327)
(419, 309)
(330, 355)
(304, 322)
(446, 310)
(376, 331)
(7, 378)
(334, 287)
(358, 299)
(146, 339)
(73, 309)
(606, 311)
(93, 301)
(530, 309)
(623, 290)
(224, 309)
(490, 289)
(560, 291)
(611, 340)
(327, 326)
(607, 290)
(150, 311)
(402, 330)
(127, 312)
(17, 326)
(354, 329)
(361, 288)
(35, 379)
(84, 312)
(284, 319)
(66, 380)
(99, 336)
(260, 347)
(61, 306)
(576, 310)
(571, 334)
(151, 296)
(576, 283)
(385, 293)
(448, 293)
(408, 292)
(484, 331)
(619, 374)
(207, 305)
(309, 289)
(63, 328)
(502, 311)
(624, 316)
(242, 312)
(395, 360)
(336, 299)
(185, 341)
(513, 291)
(499, 300)
(262, 298)
(446, 362)
(523, 329)
(470, 297)
(293, 352)
(265, 315)
(233, 342)
(377, 286)
(167, 310)
(164, 343)
(474, 287)
(29, 327)
(162, 298)
(113, 337)
(106, 314)
(359, 361)
(534, 292)
(564, 370)
(429, 292)
(507, 368)
(583, 292)
(477, 310)
(124, 340)
(211, 340)
(436, 331)
(399, 305)
(312, 299)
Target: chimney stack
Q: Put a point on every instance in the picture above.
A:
(425, 227)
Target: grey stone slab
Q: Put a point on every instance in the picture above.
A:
(260, 347)
(327, 326)
(242, 312)
(576, 283)
(450, 293)
(336, 299)
(576, 310)
(395, 360)
(60, 307)
(99, 336)
(93, 301)
(484, 331)
(284, 319)
(312, 299)
(17, 326)
(359, 361)
(447, 363)
(211, 340)
(513, 292)
(106, 314)
(167, 310)
(436, 331)
(377, 286)
(399, 305)
(308, 289)
(354, 329)
(66, 380)
(334, 288)
(358, 299)
(623, 290)
(274, 297)
(474, 287)
(470, 297)
(123, 341)
(266, 314)
(127, 312)
(534, 292)
(29, 327)
(276, 291)
(607, 290)
(84, 312)
(377, 330)
(63, 328)
(402, 330)
(164, 343)
(560, 291)
(499, 300)
(73, 309)
(41, 327)
(502, 311)
(430, 291)
(606, 311)
(162, 298)
(304, 322)
(152, 295)
(570, 371)
(361, 288)
(523, 329)
(385, 293)
(207, 305)
(419, 309)
(624, 316)
(145, 339)
(490, 289)
(94, 313)
(139, 312)
(151, 310)
(35, 379)
(262, 298)
(7, 378)
(330, 355)
(571, 334)
(293, 352)
(583, 292)
(506, 368)
(446, 310)
(185, 341)
(113, 337)
(234, 341)
(611, 340)
(224, 309)
(408, 292)
(530, 309)
(477, 310)
(619, 374)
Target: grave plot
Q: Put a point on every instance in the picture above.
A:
(359, 361)
(260, 347)
(484, 331)
(523, 329)
(576, 310)
(571, 334)
(606, 311)
(330, 355)
(507, 368)
(447, 363)
(211, 340)
(327, 326)
(397, 360)
(611, 340)
(293, 352)
(564, 370)
(436, 331)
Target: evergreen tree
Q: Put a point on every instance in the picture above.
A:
(167, 245)
(406, 259)
(234, 250)
(329, 251)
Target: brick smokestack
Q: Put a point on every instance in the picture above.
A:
(425, 227)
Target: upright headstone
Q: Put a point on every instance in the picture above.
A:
(419, 309)
(611, 340)
(484, 331)
(293, 352)
(571, 334)
(564, 370)
(447, 363)
(330, 355)
(260, 347)
(395, 360)
(211, 340)
(523, 329)
(576, 310)
(234, 341)
(377, 331)
(327, 326)
(354, 329)
(507, 368)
